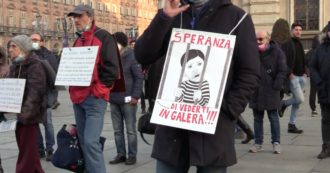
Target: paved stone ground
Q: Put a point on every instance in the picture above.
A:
(298, 151)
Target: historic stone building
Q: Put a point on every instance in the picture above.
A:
(312, 14)
(49, 17)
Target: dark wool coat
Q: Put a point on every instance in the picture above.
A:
(320, 71)
(35, 98)
(206, 149)
(273, 74)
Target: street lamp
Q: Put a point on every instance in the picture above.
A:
(66, 27)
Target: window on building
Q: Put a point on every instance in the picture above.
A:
(11, 18)
(306, 12)
(23, 19)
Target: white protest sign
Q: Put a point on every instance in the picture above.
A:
(11, 95)
(8, 125)
(76, 66)
(193, 81)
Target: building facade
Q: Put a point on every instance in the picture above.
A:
(48, 17)
(312, 14)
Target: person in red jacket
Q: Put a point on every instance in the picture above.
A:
(89, 103)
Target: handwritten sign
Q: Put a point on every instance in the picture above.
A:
(8, 125)
(76, 66)
(11, 95)
(193, 81)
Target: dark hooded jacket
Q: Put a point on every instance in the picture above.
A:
(273, 74)
(220, 16)
(320, 71)
(35, 98)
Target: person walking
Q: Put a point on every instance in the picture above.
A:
(320, 74)
(26, 65)
(123, 105)
(313, 89)
(294, 51)
(43, 53)
(176, 150)
(90, 102)
(267, 97)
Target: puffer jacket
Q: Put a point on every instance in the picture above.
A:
(35, 98)
(273, 71)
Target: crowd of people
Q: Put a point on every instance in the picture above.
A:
(261, 69)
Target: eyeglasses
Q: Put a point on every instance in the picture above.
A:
(35, 40)
(260, 39)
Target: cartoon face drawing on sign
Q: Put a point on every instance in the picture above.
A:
(195, 89)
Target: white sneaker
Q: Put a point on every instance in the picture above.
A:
(256, 148)
(276, 148)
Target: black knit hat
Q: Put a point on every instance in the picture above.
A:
(121, 38)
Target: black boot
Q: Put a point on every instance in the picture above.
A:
(246, 128)
(293, 129)
(325, 151)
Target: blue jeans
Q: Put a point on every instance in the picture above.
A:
(119, 114)
(259, 128)
(296, 86)
(89, 117)
(49, 133)
(163, 167)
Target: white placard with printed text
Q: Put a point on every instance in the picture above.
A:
(11, 94)
(76, 66)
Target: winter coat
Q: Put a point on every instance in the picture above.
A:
(151, 47)
(106, 69)
(133, 78)
(4, 64)
(45, 55)
(35, 98)
(290, 52)
(320, 71)
(273, 74)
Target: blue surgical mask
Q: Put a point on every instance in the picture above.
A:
(19, 59)
(35, 46)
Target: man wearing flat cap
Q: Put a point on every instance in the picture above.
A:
(320, 75)
(89, 103)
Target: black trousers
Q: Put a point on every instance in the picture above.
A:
(312, 96)
(325, 112)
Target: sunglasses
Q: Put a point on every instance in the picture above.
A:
(260, 39)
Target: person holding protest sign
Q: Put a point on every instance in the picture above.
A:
(26, 65)
(193, 90)
(177, 149)
(43, 53)
(90, 102)
(267, 97)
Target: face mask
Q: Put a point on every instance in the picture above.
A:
(262, 47)
(35, 46)
(19, 58)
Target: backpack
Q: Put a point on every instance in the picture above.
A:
(50, 73)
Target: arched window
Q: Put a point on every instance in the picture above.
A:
(307, 13)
